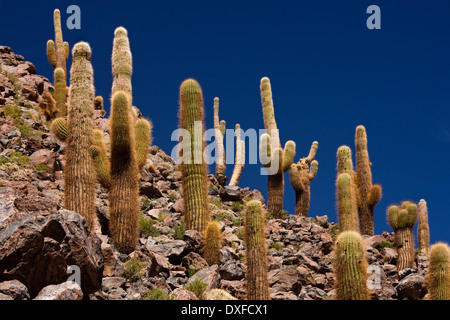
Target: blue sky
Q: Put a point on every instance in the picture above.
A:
(329, 73)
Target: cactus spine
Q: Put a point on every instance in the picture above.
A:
(301, 174)
(271, 150)
(423, 230)
(193, 167)
(48, 106)
(240, 158)
(256, 252)
(346, 191)
(351, 267)
(369, 194)
(438, 273)
(122, 64)
(143, 129)
(101, 161)
(402, 219)
(212, 243)
(219, 132)
(57, 54)
(78, 177)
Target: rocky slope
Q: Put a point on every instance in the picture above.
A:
(39, 239)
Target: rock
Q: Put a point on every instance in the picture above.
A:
(147, 189)
(183, 294)
(210, 276)
(52, 242)
(232, 270)
(194, 260)
(45, 157)
(5, 297)
(14, 289)
(112, 283)
(390, 255)
(195, 241)
(285, 279)
(230, 193)
(235, 288)
(69, 290)
(412, 287)
(218, 294)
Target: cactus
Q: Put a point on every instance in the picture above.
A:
(368, 194)
(256, 252)
(346, 203)
(350, 267)
(143, 131)
(301, 174)
(48, 106)
(57, 54)
(271, 151)
(101, 160)
(60, 128)
(124, 191)
(423, 229)
(402, 219)
(78, 175)
(212, 243)
(240, 158)
(219, 132)
(98, 103)
(193, 166)
(122, 63)
(438, 273)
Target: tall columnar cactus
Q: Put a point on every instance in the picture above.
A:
(438, 273)
(122, 63)
(346, 203)
(219, 136)
(256, 252)
(124, 191)
(402, 219)
(271, 153)
(78, 175)
(57, 54)
(351, 267)
(301, 174)
(423, 230)
(212, 243)
(101, 160)
(193, 165)
(239, 159)
(369, 194)
(143, 130)
(48, 106)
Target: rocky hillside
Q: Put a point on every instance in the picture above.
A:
(39, 239)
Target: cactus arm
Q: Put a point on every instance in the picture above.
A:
(51, 54)
(313, 169)
(288, 155)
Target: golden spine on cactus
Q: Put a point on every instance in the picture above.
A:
(239, 159)
(193, 165)
(212, 243)
(101, 160)
(78, 175)
(301, 174)
(124, 191)
(369, 195)
(271, 153)
(438, 273)
(402, 220)
(143, 131)
(346, 203)
(60, 128)
(423, 229)
(351, 267)
(219, 133)
(256, 252)
(60, 91)
(122, 63)
(48, 106)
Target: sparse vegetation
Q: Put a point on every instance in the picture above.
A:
(147, 227)
(198, 287)
(157, 294)
(134, 269)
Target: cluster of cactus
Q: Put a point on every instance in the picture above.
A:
(256, 252)
(350, 267)
(271, 154)
(438, 273)
(212, 243)
(219, 133)
(402, 219)
(301, 174)
(193, 165)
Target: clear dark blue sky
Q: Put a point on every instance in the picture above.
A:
(329, 73)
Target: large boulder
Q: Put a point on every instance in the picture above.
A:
(37, 250)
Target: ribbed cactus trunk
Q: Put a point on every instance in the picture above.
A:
(283, 157)
(301, 174)
(239, 162)
(423, 229)
(79, 177)
(143, 131)
(124, 192)
(219, 136)
(351, 267)
(346, 203)
(402, 219)
(256, 252)
(194, 172)
(212, 243)
(122, 64)
(438, 273)
(101, 160)
(369, 194)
